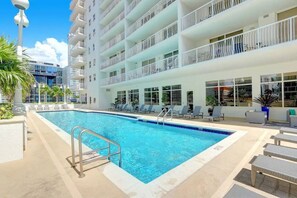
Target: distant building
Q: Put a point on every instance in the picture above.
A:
(45, 74)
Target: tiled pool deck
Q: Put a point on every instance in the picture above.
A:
(45, 172)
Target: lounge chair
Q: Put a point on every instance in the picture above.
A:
(239, 191)
(141, 108)
(281, 152)
(39, 108)
(46, 107)
(283, 137)
(149, 109)
(288, 130)
(196, 113)
(32, 107)
(216, 114)
(183, 112)
(119, 107)
(278, 168)
(56, 107)
(124, 107)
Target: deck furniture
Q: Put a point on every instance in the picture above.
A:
(149, 109)
(32, 107)
(239, 191)
(216, 114)
(278, 168)
(283, 137)
(196, 113)
(258, 117)
(46, 107)
(288, 130)
(281, 152)
(183, 112)
(292, 117)
(56, 107)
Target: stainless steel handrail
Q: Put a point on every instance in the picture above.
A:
(83, 131)
(163, 110)
(169, 111)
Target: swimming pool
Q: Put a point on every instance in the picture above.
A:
(148, 150)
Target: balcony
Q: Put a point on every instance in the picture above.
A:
(109, 8)
(79, 7)
(77, 62)
(77, 36)
(78, 22)
(115, 40)
(78, 86)
(132, 5)
(159, 7)
(110, 62)
(113, 23)
(154, 68)
(207, 11)
(114, 79)
(263, 37)
(79, 48)
(160, 36)
(77, 74)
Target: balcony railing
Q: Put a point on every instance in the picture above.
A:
(78, 72)
(78, 59)
(114, 79)
(109, 8)
(269, 35)
(78, 86)
(114, 41)
(132, 5)
(80, 44)
(208, 10)
(153, 68)
(113, 61)
(159, 7)
(162, 35)
(113, 22)
(79, 4)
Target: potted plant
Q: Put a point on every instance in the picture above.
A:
(212, 102)
(266, 100)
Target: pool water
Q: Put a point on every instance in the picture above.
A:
(148, 150)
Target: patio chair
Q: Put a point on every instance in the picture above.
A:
(288, 130)
(278, 168)
(216, 114)
(196, 113)
(285, 138)
(281, 152)
(183, 112)
(239, 191)
(119, 107)
(39, 108)
(141, 108)
(57, 107)
(124, 107)
(32, 107)
(46, 107)
(149, 109)
(292, 117)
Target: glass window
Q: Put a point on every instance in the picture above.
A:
(90, 64)
(243, 91)
(271, 78)
(151, 96)
(171, 95)
(90, 78)
(94, 76)
(272, 82)
(121, 95)
(133, 96)
(94, 17)
(290, 89)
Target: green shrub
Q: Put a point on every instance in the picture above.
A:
(6, 111)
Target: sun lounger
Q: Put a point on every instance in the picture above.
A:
(278, 168)
(238, 191)
(286, 138)
(281, 152)
(183, 112)
(56, 107)
(39, 108)
(46, 107)
(196, 113)
(149, 109)
(216, 114)
(288, 130)
(32, 107)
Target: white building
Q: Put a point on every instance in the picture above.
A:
(187, 50)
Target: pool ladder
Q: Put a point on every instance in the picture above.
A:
(93, 154)
(163, 114)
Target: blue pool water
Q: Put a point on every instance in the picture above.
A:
(148, 150)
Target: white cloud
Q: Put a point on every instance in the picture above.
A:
(49, 50)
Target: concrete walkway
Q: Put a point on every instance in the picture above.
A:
(45, 172)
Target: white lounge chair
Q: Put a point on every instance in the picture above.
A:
(281, 152)
(216, 114)
(288, 130)
(240, 192)
(196, 113)
(183, 112)
(278, 168)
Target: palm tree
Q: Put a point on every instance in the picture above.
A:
(12, 71)
(68, 92)
(45, 90)
(56, 92)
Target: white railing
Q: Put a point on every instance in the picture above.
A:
(78, 72)
(79, 4)
(161, 35)
(114, 79)
(132, 5)
(109, 8)
(78, 86)
(113, 41)
(113, 61)
(208, 10)
(80, 44)
(78, 59)
(153, 68)
(113, 22)
(269, 35)
(149, 15)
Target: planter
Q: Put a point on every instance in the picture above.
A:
(266, 109)
(13, 139)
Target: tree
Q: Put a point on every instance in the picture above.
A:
(12, 71)
(45, 90)
(56, 92)
(68, 92)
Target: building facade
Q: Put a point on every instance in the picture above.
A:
(45, 74)
(179, 52)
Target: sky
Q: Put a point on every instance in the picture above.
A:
(45, 39)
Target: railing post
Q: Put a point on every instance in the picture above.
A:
(196, 53)
(212, 9)
(233, 46)
(81, 170)
(291, 29)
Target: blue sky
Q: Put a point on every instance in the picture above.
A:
(48, 19)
